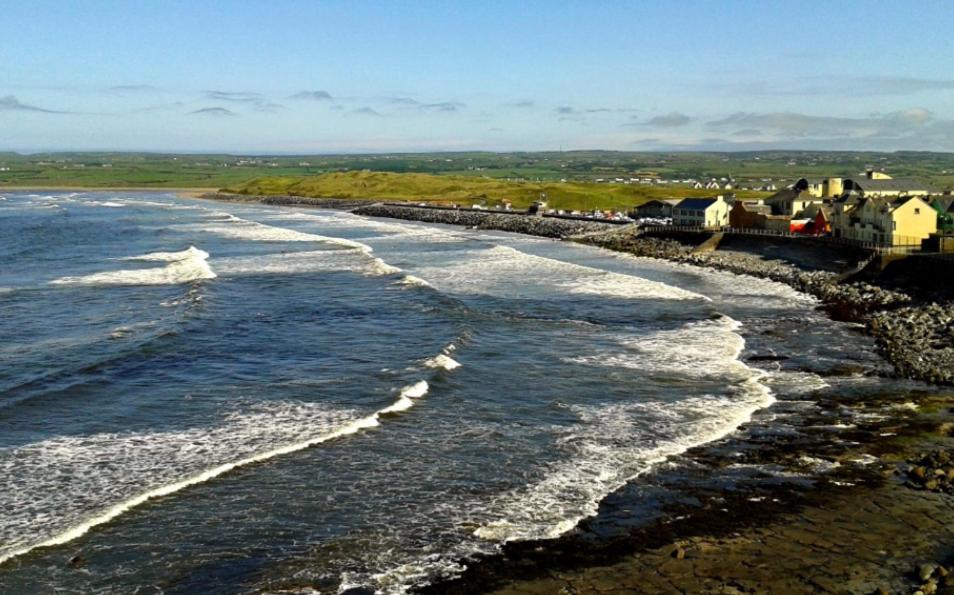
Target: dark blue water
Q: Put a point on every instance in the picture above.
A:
(204, 397)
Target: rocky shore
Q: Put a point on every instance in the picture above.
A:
(916, 336)
(918, 340)
(289, 201)
(849, 498)
(548, 227)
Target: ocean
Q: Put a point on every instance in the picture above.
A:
(223, 398)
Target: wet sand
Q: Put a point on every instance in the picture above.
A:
(818, 511)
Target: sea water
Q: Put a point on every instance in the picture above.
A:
(212, 397)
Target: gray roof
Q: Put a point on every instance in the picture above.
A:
(791, 194)
(696, 204)
(891, 203)
(659, 202)
(755, 208)
(895, 184)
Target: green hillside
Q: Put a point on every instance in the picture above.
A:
(465, 190)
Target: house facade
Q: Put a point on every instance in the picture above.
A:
(709, 213)
(888, 222)
(794, 200)
(748, 215)
(660, 209)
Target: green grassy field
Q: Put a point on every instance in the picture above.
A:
(568, 178)
(467, 190)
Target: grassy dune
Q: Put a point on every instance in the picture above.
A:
(465, 190)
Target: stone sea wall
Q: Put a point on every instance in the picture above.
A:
(916, 336)
(548, 227)
(291, 201)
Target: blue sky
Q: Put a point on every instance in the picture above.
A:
(318, 77)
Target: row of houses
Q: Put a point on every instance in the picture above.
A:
(873, 209)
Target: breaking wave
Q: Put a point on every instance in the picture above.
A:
(133, 468)
(185, 266)
(506, 271)
(230, 226)
(612, 447)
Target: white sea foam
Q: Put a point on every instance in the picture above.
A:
(505, 271)
(793, 382)
(699, 350)
(612, 445)
(110, 474)
(379, 267)
(352, 223)
(311, 261)
(442, 361)
(183, 267)
(190, 252)
(739, 289)
(406, 397)
(104, 203)
(230, 226)
(131, 469)
(413, 281)
(138, 202)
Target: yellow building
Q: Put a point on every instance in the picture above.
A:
(873, 183)
(822, 188)
(888, 222)
(795, 199)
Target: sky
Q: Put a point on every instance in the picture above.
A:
(307, 77)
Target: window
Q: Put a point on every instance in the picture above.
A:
(917, 210)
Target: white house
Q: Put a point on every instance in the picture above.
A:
(701, 212)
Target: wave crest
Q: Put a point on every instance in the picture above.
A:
(184, 267)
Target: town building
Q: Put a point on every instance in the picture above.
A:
(872, 183)
(748, 215)
(904, 221)
(945, 214)
(655, 209)
(701, 212)
(821, 187)
(793, 200)
(819, 216)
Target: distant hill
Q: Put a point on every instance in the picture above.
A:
(464, 190)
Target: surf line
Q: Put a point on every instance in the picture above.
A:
(405, 400)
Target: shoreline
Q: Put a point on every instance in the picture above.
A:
(837, 513)
(815, 534)
(859, 515)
